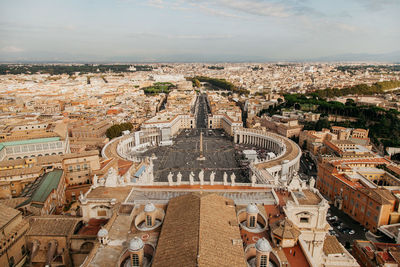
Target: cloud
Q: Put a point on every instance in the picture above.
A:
(256, 7)
(12, 49)
(182, 36)
(156, 3)
(377, 5)
(241, 8)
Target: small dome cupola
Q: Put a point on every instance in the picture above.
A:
(252, 213)
(136, 251)
(252, 208)
(102, 236)
(263, 245)
(135, 244)
(263, 250)
(102, 232)
(150, 211)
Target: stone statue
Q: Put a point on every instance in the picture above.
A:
(312, 182)
(233, 177)
(170, 181)
(225, 178)
(212, 177)
(253, 180)
(112, 178)
(201, 177)
(95, 184)
(179, 178)
(191, 178)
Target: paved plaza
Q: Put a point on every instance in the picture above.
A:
(219, 152)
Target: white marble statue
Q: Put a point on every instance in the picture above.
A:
(95, 183)
(201, 177)
(112, 178)
(179, 178)
(212, 177)
(170, 181)
(233, 177)
(225, 178)
(191, 178)
(253, 180)
(312, 182)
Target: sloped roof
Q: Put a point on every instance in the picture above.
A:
(332, 246)
(29, 141)
(39, 190)
(7, 214)
(52, 226)
(198, 231)
(285, 229)
(380, 195)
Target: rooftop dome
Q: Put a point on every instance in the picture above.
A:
(149, 207)
(263, 245)
(102, 232)
(252, 208)
(135, 244)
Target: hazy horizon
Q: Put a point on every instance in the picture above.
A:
(199, 31)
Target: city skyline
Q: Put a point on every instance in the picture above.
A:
(206, 31)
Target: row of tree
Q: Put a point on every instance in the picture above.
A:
(221, 84)
(117, 129)
(158, 88)
(68, 69)
(384, 124)
(360, 89)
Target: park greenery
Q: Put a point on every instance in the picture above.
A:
(384, 125)
(158, 88)
(218, 84)
(215, 67)
(370, 68)
(360, 89)
(68, 69)
(117, 129)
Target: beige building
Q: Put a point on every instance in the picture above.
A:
(85, 129)
(13, 227)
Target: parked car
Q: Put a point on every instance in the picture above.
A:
(341, 226)
(332, 219)
(336, 224)
(333, 233)
(348, 231)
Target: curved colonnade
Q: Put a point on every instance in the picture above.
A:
(278, 167)
(282, 165)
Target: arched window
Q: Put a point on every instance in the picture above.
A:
(148, 220)
(11, 262)
(135, 260)
(252, 221)
(263, 261)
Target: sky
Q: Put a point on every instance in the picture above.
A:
(197, 30)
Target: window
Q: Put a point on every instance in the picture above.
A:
(263, 261)
(101, 213)
(135, 260)
(368, 213)
(78, 167)
(148, 220)
(70, 168)
(252, 221)
(304, 220)
(11, 262)
(376, 218)
(85, 166)
(377, 207)
(23, 250)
